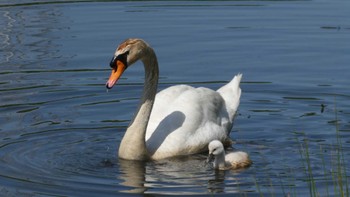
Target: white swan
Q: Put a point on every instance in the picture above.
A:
(179, 120)
(231, 160)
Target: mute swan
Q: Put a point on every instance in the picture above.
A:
(232, 160)
(179, 120)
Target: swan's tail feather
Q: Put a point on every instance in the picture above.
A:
(231, 93)
(237, 79)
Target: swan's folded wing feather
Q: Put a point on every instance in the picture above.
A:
(185, 119)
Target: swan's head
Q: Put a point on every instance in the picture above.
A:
(127, 53)
(215, 148)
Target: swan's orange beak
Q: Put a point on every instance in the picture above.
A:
(117, 71)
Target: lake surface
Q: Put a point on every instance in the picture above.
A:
(60, 129)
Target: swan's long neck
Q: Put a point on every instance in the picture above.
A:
(133, 145)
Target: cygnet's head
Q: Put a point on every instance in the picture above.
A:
(215, 147)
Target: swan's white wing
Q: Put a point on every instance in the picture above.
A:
(184, 120)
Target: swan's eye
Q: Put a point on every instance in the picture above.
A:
(113, 61)
(121, 57)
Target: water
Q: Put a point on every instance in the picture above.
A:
(60, 129)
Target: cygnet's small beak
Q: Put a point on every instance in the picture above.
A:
(210, 158)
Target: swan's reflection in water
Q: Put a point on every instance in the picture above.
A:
(185, 175)
(132, 174)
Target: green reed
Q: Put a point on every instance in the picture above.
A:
(338, 174)
(324, 169)
(305, 156)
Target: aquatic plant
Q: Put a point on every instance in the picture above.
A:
(321, 166)
(336, 176)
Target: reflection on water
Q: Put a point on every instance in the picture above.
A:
(60, 130)
(28, 36)
(185, 175)
(132, 174)
(29, 50)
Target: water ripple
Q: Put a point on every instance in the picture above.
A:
(58, 159)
